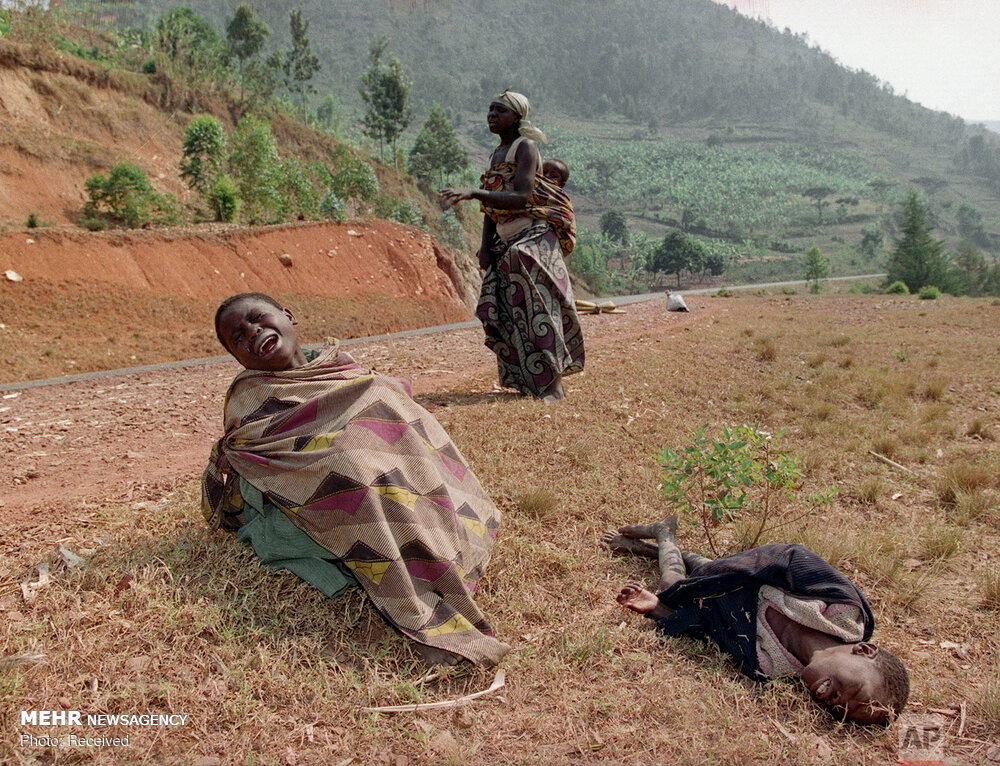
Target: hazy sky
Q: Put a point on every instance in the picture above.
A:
(944, 54)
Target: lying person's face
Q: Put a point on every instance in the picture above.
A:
(260, 336)
(845, 680)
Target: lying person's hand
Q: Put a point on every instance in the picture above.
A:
(634, 596)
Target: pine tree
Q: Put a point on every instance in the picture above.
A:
(386, 93)
(300, 63)
(245, 37)
(817, 268)
(436, 148)
(917, 259)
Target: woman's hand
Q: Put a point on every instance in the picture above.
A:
(454, 196)
(484, 258)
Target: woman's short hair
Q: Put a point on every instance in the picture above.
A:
(234, 299)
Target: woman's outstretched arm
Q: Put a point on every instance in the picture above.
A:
(524, 181)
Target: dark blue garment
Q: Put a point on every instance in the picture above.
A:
(719, 599)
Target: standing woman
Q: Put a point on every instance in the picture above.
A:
(526, 304)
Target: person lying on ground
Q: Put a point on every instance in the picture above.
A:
(778, 610)
(334, 473)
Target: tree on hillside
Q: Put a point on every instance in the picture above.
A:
(972, 273)
(614, 226)
(189, 41)
(245, 38)
(871, 242)
(818, 194)
(817, 268)
(204, 152)
(385, 92)
(678, 251)
(436, 148)
(327, 115)
(256, 167)
(917, 259)
(299, 64)
(970, 225)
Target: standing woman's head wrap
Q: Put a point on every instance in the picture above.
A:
(519, 104)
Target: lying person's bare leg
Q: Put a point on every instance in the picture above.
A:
(651, 531)
(693, 560)
(620, 544)
(671, 562)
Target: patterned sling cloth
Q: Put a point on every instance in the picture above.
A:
(526, 303)
(372, 477)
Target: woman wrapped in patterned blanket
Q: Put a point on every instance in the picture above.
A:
(334, 473)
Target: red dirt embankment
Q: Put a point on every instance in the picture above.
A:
(106, 300)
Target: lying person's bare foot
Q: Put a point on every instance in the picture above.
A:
(624, 545)
(434, 656)
(656, 531)
(634, 596)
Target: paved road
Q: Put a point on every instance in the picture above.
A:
(623, 300)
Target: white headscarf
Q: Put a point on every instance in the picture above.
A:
(519, 104)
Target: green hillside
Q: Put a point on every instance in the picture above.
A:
(680, 114)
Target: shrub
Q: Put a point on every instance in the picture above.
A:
(223, 199)
(452, 233)
(353, 177)
(929, 293)
(298, 196)
(742, 473)
(897, 288)
(402, 210)
(332, 207)
(149, 66)
(256, 167)
(32, 222)
(408, 212)
(124, 198)
(864, 288)
(204, 152)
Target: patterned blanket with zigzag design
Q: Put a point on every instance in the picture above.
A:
(372, 477)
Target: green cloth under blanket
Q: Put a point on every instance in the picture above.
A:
(279, 544)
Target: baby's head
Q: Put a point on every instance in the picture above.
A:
(556, 171)
(259, 332)
(860, 681)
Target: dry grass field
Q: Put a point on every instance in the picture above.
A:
(166, 617)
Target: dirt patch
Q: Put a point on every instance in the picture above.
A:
(92, 440)
(93, 301)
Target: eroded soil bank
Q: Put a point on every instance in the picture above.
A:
(93, 301)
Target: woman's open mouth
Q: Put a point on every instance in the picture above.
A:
(267, 345)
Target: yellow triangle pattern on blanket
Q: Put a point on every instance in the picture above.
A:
(321, 441)
(476, 527)
(457, 624)
(373, 570)
(398, 494)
